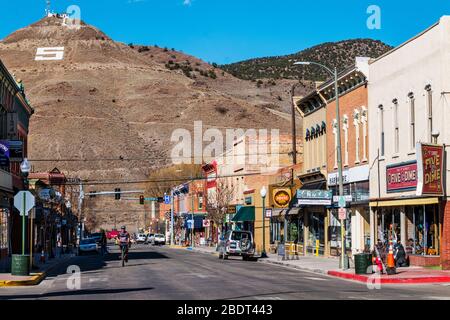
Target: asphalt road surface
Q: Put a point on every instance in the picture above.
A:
(165, 273)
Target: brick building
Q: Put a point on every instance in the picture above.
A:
(15, 112)
(355, 154)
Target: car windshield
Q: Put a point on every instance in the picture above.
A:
(87, 241)
(238, 236)
(159, 235)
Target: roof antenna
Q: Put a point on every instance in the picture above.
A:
(47, 10)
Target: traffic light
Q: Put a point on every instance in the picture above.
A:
(117, 193)
(141, 199)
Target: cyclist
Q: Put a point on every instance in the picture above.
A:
(124, 241)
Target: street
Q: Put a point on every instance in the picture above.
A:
(155, 273)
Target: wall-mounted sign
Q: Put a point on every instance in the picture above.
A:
(248, 200)
(281, 197)
(360, 173)
(314, 197)
(430, 168)
(268, 213)
(401, 177)
(4, 153)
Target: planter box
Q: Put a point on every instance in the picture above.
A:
(424, 261)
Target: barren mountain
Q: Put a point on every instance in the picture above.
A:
(106, 101)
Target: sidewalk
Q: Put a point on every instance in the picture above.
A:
(410, 275)
(330, 266)
(35, 277)
(307, 263)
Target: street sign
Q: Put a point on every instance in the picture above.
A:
(342, 213)
(166, 199)
(268, 213)
(24, 201)
(342, 202)
(151, 199)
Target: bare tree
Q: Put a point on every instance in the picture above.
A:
(218, 202)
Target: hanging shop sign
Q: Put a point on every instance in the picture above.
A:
(16, 150)
(268, 213)
(401, 177)
(314, 197)
(231, 209)
(12, 121)
(430, 168)
(281, 197)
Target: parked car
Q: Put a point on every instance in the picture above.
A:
(159, 239)
(87, 245)
(236, 243)
(150, 238)
(97, 236)
(141, 238)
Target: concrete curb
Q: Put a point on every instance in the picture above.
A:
(35, 280)
(366, 278)
(284, 264)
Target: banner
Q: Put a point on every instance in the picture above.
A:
(430, 169)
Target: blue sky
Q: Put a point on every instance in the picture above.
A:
(232, 30)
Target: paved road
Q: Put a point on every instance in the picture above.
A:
(165, 273)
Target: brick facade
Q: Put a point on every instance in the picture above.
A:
(445, 237)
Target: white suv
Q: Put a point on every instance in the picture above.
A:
(159, 239)
(236, 243)
(141, 238)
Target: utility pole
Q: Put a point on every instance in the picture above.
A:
(80, 204)
(171, 217)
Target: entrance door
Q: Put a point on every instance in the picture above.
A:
(316, 232)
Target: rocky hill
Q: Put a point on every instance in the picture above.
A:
(108, 109)
(340, 54)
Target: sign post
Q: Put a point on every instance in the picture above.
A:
(24, 201)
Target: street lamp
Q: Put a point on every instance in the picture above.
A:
(263, 193)
(344, 262)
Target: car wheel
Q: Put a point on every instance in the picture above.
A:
(244, 258)
(225, 256)
(220, 255)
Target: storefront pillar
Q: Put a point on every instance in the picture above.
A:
(326, 235)
(373, 226)
(305, 233)
(403, 229)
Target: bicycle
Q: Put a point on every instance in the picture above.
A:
(123, 253)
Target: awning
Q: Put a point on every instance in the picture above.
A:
(278, 212)
(293, 211)
(245, 214)
(404, 202)
(317, 185)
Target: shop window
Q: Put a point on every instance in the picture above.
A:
(429, 96)
(396, 129)
(424, 238)
(381, 115)
(412, 124)
(316, 232)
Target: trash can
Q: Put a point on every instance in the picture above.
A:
(362, 262)
(20, 265)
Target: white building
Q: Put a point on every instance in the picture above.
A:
(409, 102)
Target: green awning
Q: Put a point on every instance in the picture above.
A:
(245, 214)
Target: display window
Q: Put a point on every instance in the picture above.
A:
(316, 231)
(4, 228)
(423, 232)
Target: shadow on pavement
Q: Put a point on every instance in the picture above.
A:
(136, 255)
(74, 293)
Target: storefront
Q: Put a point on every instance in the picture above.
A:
(313, 201)
(357, 224)
(414, 219)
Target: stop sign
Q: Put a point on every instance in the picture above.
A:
(24, 201)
